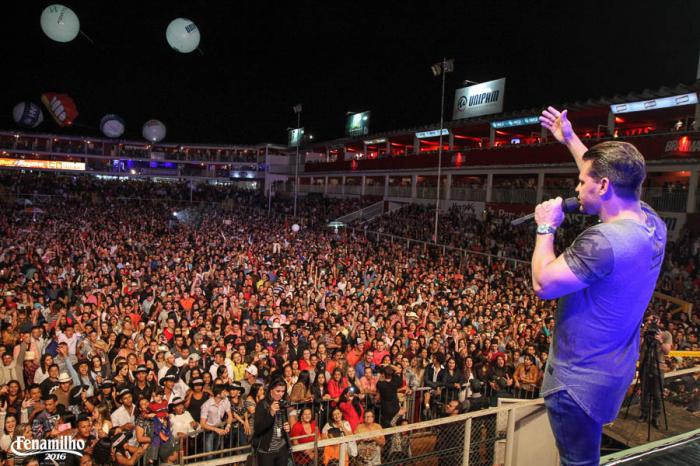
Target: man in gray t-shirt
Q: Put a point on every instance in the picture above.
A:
(604, 282)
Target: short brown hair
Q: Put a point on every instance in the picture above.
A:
(622, 164)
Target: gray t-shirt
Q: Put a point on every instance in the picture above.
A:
(596, 338)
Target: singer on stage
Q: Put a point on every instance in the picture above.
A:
(604, 281)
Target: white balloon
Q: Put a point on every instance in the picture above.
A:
(153, 130)
(182, 35)
(112, 125)
(60, 23)
(295, 228)
(27, 114)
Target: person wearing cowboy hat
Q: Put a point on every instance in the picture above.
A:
(106, 394)
(181, 421)
(65, 382)
(142, 388)
(173, 386)
(125, 415)
(123, 453)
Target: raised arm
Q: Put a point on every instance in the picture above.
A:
(559, 125)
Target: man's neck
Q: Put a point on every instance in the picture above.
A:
(618, 209)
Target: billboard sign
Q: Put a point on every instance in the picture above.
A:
(42, 164)
(357, 124)
(531, 120)
(479, 99)
(653, 104)
(295, 136)
(432, 134)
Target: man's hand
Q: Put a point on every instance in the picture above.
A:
(550, 212)
(558, 124)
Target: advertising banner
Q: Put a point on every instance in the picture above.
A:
(479, 99)
(42, 164)
(357, 124)
(295, 136)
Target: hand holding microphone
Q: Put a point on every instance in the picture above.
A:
(550, 212)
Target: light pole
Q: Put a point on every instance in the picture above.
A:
(442, 68)
(297, 110)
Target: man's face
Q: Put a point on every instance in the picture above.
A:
(84, 427)
(369, 355)
(452, 408)
(589, 190)
(50, 406)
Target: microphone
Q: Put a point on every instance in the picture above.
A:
(569, 206)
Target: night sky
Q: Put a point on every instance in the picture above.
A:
(260, 58)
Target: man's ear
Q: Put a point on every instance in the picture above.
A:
(605, 189)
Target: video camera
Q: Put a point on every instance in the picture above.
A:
(652, 330)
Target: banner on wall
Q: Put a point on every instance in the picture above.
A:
(42, 164)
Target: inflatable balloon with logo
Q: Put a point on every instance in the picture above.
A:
(182, 35)
(60, 23)
(27, 114)
(112, 125)
(61, 107)
(154, 130)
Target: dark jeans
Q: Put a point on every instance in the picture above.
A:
(278, 458)
(577, 435)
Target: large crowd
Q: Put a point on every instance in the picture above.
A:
(149, 335)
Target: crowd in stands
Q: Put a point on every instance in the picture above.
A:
(151, 336)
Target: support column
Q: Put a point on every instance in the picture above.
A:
(492, 137)
(362, 187)
(414, 186)
(325, 187)
(386, 186)
(448, 187)
(611, 123)
(388, 148)
(416, 145)
(342, 189)
(489, 186)
(692, 190)
(540, 188)
(451, 141)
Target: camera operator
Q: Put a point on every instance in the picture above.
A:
(271, 436)
(652, 377)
